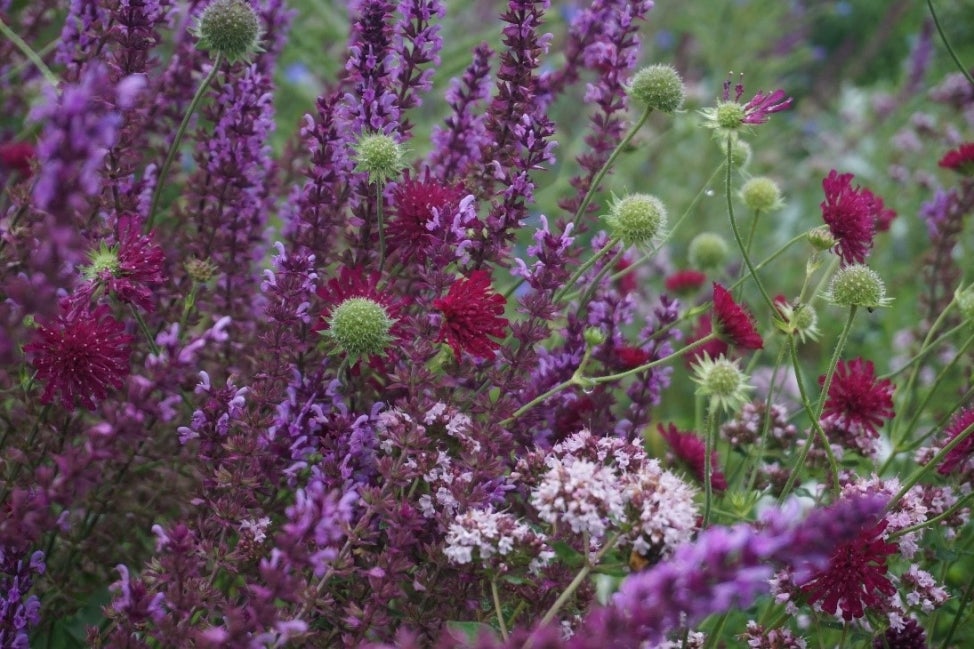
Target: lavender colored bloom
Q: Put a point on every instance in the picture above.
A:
(81, 35)
(727, 567)
(316, 524)
(79, 126)
(19, 612)
(418, 43)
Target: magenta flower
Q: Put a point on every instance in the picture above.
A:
(129, 269)
(472, 313)
(856, 575)
(852, 216)
(685, 282)
(761, 106)
(960, 159)
(713, 349)
(960, 453)
(856, 400)
(415, 202)
(80, 355)
(732, 322)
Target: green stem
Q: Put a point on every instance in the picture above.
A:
(926, 468)
(766, 423)
(737, 231)
(584, 267)
(590, 291)
(708, 469)
(648, 366)
(497, 607)
(174, 147)
(962, 610)
(577, 581)
(31, 55)
(597, 181)
(950, 50)
(924, 352)
(382, 230)
(839, 346)
(145, 330)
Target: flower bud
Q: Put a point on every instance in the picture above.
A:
(729, 115)
(230, 28)
(658, 87)
(594, 336)
(636, 219)
(708, 250)
(965, 302)
(200, 270)
(821, 238)
(761, 194)
(378, 155)
(360, 327)
(858, 285)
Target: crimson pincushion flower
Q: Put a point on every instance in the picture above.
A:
(17, 156)
(130, 268)
(414, 201)
(472, 313)
(361, 319)
(851, 214)
(685, 282)
(80, 355)
(732, 322)
(960, 159)
(959, 454)
(691, 451)
(713, 348)
(856, 399)
(856, 575)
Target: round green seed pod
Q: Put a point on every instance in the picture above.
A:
(708, 251)
(360, 327)
(231, 28)
(761, 194)
(858, 285)
(658, 87)
(637, 219)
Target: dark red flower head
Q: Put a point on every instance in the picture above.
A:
(960, 453)
(692, 451)
(353, 282)
(629, 358)
(852, 215)
(628, 282)
(732, 322)
(17, 156)
(960, 159)
(414, 201)
(685, 282)
(472, 313)
(856, 576)
(131, 268)
(856, 400)
(80, 355)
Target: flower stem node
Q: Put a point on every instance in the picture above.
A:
(858, 285)
(380, 156)
(360, 327)
(708, 251)
(722, 381)
(230, 28)
(761, 194)
(637, 219)
(658, 87)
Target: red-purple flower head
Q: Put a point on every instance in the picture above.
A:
(358, 317)
(472, 314)
(730, 115)
(853, 216)
(856, 400)
(691, 451)
(732, 322)
(960, 159)
(129, 269)
(963, 451)
(856, 577)
(685, 282)
(415, 200)
(80, 355)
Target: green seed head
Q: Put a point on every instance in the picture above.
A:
(708, 251)
(378, 155)
(230, 28)
(858, 285)
(637, 219)
(729, 115)
(103, 260)
(761, 194)
(965, 302)
(594, 336)
(200, 270)
(740, 152)
(658, 87)
(722, 381)
(360, 327)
